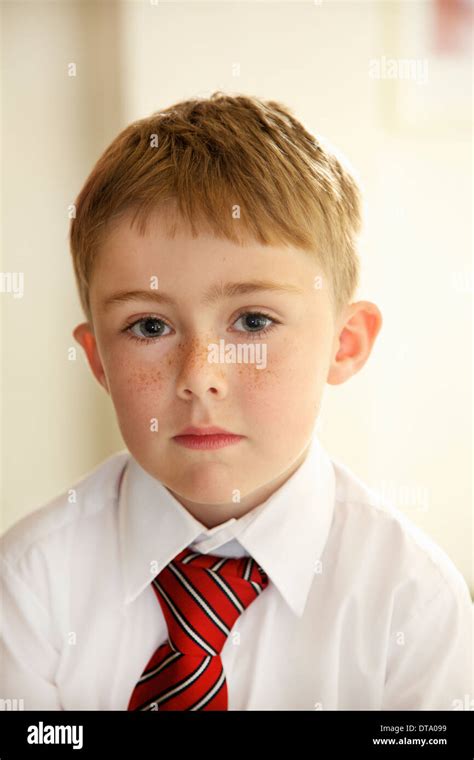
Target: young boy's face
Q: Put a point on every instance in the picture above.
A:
(162, 385)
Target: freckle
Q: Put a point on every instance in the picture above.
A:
(142, 379)
(257, 376)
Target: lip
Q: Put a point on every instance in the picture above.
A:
(205, 431)
(206, 438)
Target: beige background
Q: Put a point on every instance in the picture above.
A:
(404, 423)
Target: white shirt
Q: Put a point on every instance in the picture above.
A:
(362, 612)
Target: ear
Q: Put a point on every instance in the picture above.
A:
(356, 332)
(84, 334)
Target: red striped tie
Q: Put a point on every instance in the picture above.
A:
(201, 596)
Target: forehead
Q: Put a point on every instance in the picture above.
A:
(193, 264)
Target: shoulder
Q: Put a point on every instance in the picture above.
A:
(397, 558)
(52, 524)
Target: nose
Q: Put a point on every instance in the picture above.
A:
(198, 376)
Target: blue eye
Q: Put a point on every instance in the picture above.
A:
(255, 318)
(152, 325)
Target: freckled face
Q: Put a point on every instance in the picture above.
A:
(156, 359)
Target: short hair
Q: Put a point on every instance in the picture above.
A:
(235, 165)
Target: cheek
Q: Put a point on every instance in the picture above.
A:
(136, 389)
(289, 387)
(271, 388)
(257, 390)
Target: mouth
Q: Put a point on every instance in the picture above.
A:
(206, 438)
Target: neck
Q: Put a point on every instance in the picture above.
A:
(211, 515)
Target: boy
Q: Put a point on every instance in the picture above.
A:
(223, 561)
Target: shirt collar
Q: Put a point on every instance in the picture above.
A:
(285, 535)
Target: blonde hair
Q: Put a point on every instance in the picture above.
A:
(206, 157)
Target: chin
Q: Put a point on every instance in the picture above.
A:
(207, 484)
(202, 494)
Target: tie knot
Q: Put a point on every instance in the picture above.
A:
(202, 595)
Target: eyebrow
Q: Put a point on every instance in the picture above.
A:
(213, 294)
